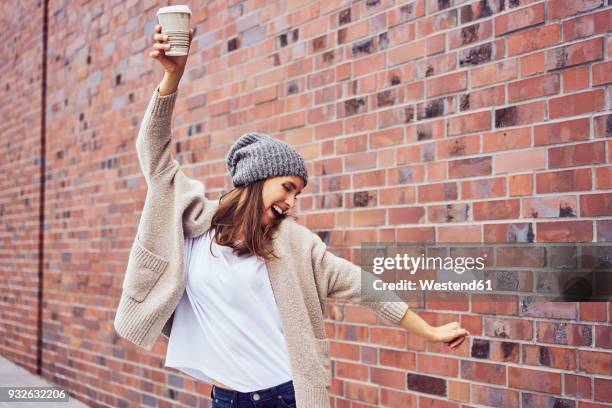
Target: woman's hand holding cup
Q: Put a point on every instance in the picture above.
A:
(173, 65)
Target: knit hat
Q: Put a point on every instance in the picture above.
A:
(256, 156)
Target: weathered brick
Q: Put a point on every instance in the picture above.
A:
(564, 333)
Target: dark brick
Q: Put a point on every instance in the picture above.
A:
(353, 106)
(344, 17)
(480, 348)
(506, 117)
(233, 44)
(427, 384)
(476, 55)
(385, 98)
(361, 199)
(363, 47)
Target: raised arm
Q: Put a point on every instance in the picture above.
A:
(153, 144)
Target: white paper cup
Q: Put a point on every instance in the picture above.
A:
(174, 21)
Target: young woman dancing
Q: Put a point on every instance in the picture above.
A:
(236, 284)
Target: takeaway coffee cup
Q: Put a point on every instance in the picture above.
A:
(174, 21)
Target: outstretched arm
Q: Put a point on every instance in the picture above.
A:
(337, 277)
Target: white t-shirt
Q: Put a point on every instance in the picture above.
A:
(227, 326)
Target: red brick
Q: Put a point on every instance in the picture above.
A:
(564, 231)
(457, 234)
(533, 64)
(603, 335)
(575, 79)
(577, 104)
(535, 87)
(577, 386)
(405, 360)
(596, 205)
(493, 74)
(446, 84)
(398, 195)
(521, 256)
(602, 73)
(520, 184)
(351, 370)
(391, 398)
(519, 19)
(535, 380)
(388, 337)
(459, 391)
(437, 365)
(480, 166)
(496, 304)
(559, 9)
(561, 181)
(595, 362)
(534, 39)
(437, 192)
(361, 392)
(388, 378)
(603, 389)
(494, 397)
(416, 235)
(473, 122)
(561, 132)
(342, 350)
(407, 215)
(576, 155)
(387, 137)
(496, 210)
(522, 161)
(587, 25)
(483, 372)
(603, 177)
(507, 139)
(593, 311)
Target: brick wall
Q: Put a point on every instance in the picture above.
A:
(437, 121)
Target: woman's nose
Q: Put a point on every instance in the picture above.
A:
(290, 202)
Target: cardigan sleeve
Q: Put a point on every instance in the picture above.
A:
(337, 277)
(153, 143)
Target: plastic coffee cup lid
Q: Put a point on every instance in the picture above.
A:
(174, 9)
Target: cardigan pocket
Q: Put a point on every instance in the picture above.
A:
(144, 270)
(323, 354)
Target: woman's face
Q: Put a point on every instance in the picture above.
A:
(280, 194)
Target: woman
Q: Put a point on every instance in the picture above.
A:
(241, 298)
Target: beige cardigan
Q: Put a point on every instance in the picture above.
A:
(175, 208)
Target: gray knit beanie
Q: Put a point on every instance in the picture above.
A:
(256, 156)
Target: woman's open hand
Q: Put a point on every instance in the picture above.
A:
(451, 334)
(172, 65)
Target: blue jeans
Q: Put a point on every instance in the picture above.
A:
(280, 396)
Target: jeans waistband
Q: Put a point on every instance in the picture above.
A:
(264, 393)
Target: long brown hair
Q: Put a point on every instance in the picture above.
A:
(234, 213)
